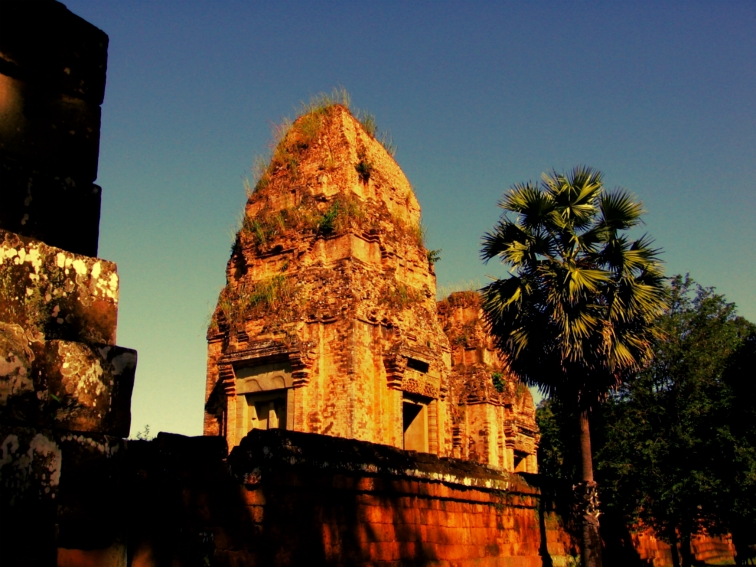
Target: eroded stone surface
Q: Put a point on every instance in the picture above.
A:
(30, 465)
(65, 384)
(54, 294)
(58, 488)
(330, 276)
(493, 417)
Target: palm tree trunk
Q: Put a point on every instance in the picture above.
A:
(686, 552)
(673, 547)
(588, 500)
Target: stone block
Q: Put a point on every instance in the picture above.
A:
(58, 133)
(46, 44)
(40, 489)
(30, 466)
(113, 556)
(253, 496)
(55, 294)
(65, 385)
(256, 514)
(57, 209)
(384, 551)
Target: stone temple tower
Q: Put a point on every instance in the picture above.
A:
(328, 321)
(492, 416)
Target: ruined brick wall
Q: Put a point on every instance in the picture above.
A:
(493, 416)
(330, 299)
(290, 499)
(707, 549)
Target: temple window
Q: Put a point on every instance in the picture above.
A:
(418, 365)
(263, 397)
(520, 461)
(266, 411)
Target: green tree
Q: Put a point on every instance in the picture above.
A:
(679, 446)
(740, 478)
(559, 446)
(575, 316)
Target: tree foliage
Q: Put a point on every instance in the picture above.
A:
(677, 450)
(575, 314)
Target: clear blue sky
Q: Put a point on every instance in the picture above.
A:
(660, 96)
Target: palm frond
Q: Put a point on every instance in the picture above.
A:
(508, 240)
(526, 200)
(620, 210)
(578, 315)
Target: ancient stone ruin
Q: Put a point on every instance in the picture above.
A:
(493, 416)
(65, 387)
(329, 322)
(328, 356)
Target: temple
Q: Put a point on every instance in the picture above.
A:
(329, 322)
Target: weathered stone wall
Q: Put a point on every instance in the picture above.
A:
(291, 499)
(52, 83)
(65, 387)
(493, 416)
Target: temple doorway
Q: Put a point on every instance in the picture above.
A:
(415, 423)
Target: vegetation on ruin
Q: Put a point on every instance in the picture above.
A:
(577, 315)
(273, 295)
(370, 126)
(291, 141)
(344, 212)
(364, 169)
(499, 382)
(463, 294)
(400, 296)
(291, 138)
(433, 256)
(466, 334)
(676, 446)
(468, 296)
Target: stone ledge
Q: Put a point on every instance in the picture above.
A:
(59, 133)
(264, 454)
(54, 208)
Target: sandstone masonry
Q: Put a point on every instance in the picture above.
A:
(329, 322)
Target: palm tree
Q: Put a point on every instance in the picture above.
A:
(576, 314)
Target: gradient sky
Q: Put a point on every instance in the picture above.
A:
(660, 96)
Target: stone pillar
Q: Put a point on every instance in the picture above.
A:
(65, 387)
(52, 83)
